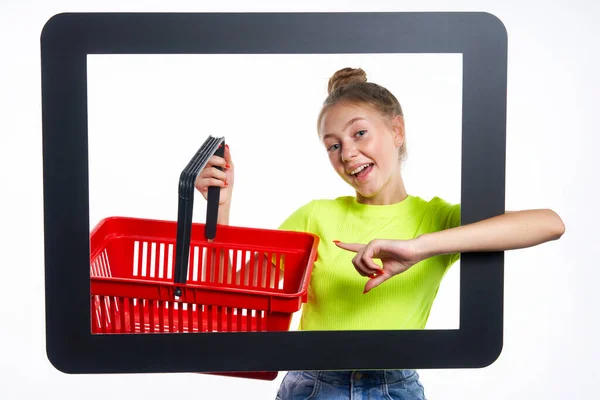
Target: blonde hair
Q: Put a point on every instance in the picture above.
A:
(350, 85)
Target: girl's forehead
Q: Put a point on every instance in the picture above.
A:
(347, 107)
(339, 116)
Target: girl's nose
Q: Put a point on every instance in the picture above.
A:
(349, 152)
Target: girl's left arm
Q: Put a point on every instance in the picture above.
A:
(512, 230)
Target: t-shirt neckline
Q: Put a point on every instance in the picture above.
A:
(380, 210)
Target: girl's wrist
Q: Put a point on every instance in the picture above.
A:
(423, 247)
(223, 217)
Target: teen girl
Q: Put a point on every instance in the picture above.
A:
(413, 241)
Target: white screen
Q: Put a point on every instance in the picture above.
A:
(148, 114)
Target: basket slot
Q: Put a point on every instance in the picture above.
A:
(145, 259)
(259, 262)
(253, 275)
(114, 313)
(232, 276)
(97, 321)
(161, 316)
(136, 257)
(152, 272)
(120, 312)
(267, 267)
(248, 321)
(224, 265)
(209, 319)
(241, 268)
(165, 264)
(104, 264)
(106, 312)
(259, 315)
(238, 319)
(230, 267)
(238, 268)
(133, 315)
(220, 264)
(177, 323)
(194, 256)
(149, 259)
(278, 261)
(230, 320)
(209, 266)
(280, 265)
(268, 272)
(151, 319)
(100, 265)
(242, 275)
(247, 268)
(148, 318)
(142, 319)
(201, 265)
(190, 318)
(169, 267)
(200, 314)
(101, 319)
(170, 318)
(220, 313)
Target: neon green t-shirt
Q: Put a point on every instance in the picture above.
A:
(335, 294)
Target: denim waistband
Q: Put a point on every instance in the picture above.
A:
(367, 377)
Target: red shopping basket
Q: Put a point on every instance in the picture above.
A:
(152, 276)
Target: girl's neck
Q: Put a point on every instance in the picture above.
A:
(393, 192)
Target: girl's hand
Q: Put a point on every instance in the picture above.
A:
(211, 176)
(396, 256)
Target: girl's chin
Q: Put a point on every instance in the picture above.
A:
(365, 189)
(366, 192)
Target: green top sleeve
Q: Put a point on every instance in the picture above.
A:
(447, 216)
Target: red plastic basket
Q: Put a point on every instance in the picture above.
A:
(242, 280)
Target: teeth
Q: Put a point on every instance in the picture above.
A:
(357, 170)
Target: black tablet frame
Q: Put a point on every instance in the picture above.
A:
(68, 38)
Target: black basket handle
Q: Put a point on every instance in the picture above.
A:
(187, 182)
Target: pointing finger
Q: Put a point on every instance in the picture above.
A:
(355, 247)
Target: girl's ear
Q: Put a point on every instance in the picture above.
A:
(398, 130)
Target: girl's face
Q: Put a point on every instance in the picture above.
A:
(363, 149)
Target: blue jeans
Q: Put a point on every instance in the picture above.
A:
(351, 385)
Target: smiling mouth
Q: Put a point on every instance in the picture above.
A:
(361, 171)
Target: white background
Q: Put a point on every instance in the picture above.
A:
(550, 315)
(148, 114)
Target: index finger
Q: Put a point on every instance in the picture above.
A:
(216, 161)
(355, 247)
(227, 155)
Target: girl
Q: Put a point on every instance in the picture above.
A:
(402, 243)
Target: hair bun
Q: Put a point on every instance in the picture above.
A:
(346, 76)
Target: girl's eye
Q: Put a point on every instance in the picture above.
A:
(333, 147)
(361, 133)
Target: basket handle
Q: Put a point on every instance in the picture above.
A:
(187, 180)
